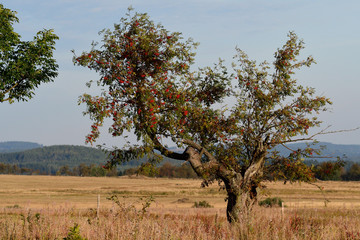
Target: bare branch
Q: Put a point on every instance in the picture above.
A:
(199, 148)
(166, 152)
(337, 131)
(322, 132)
(287, 147)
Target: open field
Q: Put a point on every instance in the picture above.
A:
(46, 207)
(81, 192)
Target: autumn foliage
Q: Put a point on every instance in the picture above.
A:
(152, 91)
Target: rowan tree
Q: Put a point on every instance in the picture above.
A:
(151, 91)
(272, 109)
(24, 65)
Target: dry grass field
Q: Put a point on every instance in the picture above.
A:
(82, 192)
(46, 207)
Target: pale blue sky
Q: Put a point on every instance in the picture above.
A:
(329, 28)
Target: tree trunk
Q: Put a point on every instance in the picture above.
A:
(233, 208)
(239, 206)
(253, 192)
(240, 187)
(240, 201)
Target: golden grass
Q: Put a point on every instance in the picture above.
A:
(45, 207)
(125, 222)
(37, 191)
(339, 194)
(81, 192)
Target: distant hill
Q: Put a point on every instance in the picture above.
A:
(352, 152)
(16, 146)
(53, 157)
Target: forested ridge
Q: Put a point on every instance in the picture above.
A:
(34, 158)
(53, 157)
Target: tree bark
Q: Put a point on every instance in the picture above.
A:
(233, 208)
(242, 195)
(239, 203)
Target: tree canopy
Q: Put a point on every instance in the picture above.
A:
(150, 89)
(24, 65)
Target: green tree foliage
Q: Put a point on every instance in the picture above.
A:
(82, 170)
(171, 171)
(74, 233)
(64, 171)
(166, 170)
(353, 174)
(150, 90)
(330, 170)
(54, 157)
(93, 171)
(24, 65)
(271, 202)
(148, 169)
(86, 171)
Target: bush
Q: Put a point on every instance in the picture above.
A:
(74, 234)
(202, 204)
(271, 202)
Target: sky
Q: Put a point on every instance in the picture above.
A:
(329, 28)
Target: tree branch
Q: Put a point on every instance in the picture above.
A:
(7, 91)
(166, 152)
(322, 132)
(199, 167)
(14, 86)
(212, 164)
(200, 149)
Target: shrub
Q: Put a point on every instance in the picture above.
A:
(271, 202)
(202, 204)
(74, 233)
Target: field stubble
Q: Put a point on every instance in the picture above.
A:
(46, 207)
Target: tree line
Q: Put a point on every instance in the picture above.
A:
(337, 171)
(325, 171)
(93, 170)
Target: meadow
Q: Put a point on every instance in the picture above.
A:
(54, 207)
